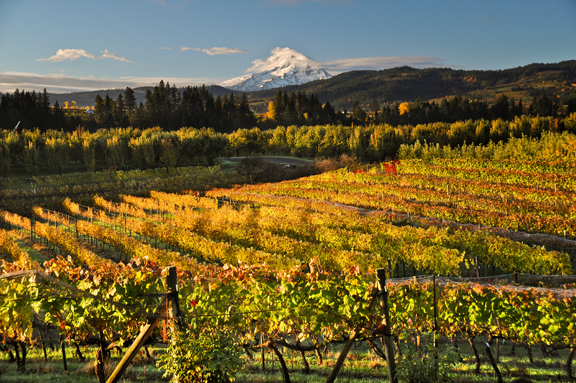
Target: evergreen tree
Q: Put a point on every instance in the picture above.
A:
(541, 106)
(129, 101)
(501, 108)
(245, 115)
(279, 106)
(375, 106)
(120, 117)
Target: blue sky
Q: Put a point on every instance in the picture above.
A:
(66, 45)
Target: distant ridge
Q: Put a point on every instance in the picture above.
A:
(402, 84)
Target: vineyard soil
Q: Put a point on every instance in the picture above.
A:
(362, 366)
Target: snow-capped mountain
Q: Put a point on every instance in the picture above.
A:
(285, 67)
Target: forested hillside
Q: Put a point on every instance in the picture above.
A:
(408, 84)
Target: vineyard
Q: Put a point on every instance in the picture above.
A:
(375, 257)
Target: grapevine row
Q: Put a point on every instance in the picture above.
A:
(123, 243)
(365, 241)
(198, 245)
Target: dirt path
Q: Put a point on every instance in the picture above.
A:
(275, 160)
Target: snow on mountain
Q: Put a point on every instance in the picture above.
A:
(284, 67)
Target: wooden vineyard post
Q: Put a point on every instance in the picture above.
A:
(342, 357)
(170, 300)
(569, 365)
(63, 347)
(173, 301)
(477, 267)
(99, 362)
(263, 355)
(435, 317)
(493, 363)
(388, 340)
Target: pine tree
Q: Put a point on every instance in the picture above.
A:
(375, 106)
(120, 117)
(129, 101)
(279, 106)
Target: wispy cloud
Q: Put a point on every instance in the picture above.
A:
(280, 55)
(75, 54)
(68, 54)
(278, 58)
(223, 51)
(216, 50)
(107, 55)
(376, 63)
(59, 83)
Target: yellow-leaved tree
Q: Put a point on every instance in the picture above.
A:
(271, 110)
(404, 108)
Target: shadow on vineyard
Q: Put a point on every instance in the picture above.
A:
(447, 265)
(259, 170)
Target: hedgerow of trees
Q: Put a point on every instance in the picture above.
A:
(34, 152)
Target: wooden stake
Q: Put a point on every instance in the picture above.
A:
(262, 354)
(99, 362)
(63, 346)
(493, 363)
(435, 317)
(569, 364)
(146, 330)
(342, 357)
(388, 340)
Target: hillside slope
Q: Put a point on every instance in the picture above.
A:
(403, 84)
(407, 84)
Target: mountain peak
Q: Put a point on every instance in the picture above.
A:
(284, 67)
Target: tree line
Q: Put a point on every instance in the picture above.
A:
(164, 106)
(170, 108)
(34, 152)
(372, 143)
(459, 108)
(30, 109)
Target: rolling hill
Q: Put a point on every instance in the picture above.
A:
(400, 84)
(407, 84)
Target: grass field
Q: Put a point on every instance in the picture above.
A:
(362, 366)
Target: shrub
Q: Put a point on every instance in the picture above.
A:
(420, 366)
(206, 355)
